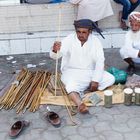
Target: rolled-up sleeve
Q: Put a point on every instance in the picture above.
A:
(66, 41)
(55, 55)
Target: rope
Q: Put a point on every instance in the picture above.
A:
(65, 96)
(58, 39)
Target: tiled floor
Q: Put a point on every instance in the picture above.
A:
(117, 123)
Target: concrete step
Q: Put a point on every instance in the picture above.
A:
(22, 18)
(38, 42)
(27, 28)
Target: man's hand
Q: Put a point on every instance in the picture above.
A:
(56, 46)
(93, 86)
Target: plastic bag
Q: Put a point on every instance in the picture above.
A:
(120, 75)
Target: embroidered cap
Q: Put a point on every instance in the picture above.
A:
(134, 16)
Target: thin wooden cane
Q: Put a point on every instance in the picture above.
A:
(34, 100)
(41, 89)
(30, 91)
(58, 38)
(16, 94)
(9, 94)
(24, 91)
(56, 66)
(45, 84)
(20, 90)
(64, 94)
(36, 89)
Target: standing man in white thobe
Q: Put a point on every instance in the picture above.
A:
(82, 64)
(130, 52)
(94, 10)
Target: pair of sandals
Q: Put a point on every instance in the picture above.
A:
(19, 126)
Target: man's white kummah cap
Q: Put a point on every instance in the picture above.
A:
(135, 16)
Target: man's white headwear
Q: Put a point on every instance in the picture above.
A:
(134, 16)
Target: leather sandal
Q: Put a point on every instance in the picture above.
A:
(131, 69)
(123, 25)
(17, 128)
(53, 118)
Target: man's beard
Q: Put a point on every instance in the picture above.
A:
(135, 36)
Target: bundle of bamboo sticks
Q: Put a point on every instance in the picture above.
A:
(26, 91)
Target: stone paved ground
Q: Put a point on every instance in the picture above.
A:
(117, 123)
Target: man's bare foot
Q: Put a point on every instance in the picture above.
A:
(82, 108)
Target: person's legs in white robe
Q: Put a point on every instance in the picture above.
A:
(77, 83)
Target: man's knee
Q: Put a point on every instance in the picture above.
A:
(110, 80)
(127, 4)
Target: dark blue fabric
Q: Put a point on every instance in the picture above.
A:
(57, 1)
(84, 23)
(41, 1)
(128, 7)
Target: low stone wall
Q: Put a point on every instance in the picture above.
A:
(34, 18)
(45, 17)
(29, 28)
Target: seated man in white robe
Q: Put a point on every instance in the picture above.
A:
(130, 52)
(82, 63)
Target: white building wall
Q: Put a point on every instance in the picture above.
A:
(34, 18)
(29, 28)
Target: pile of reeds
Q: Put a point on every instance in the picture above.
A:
(26, 91)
